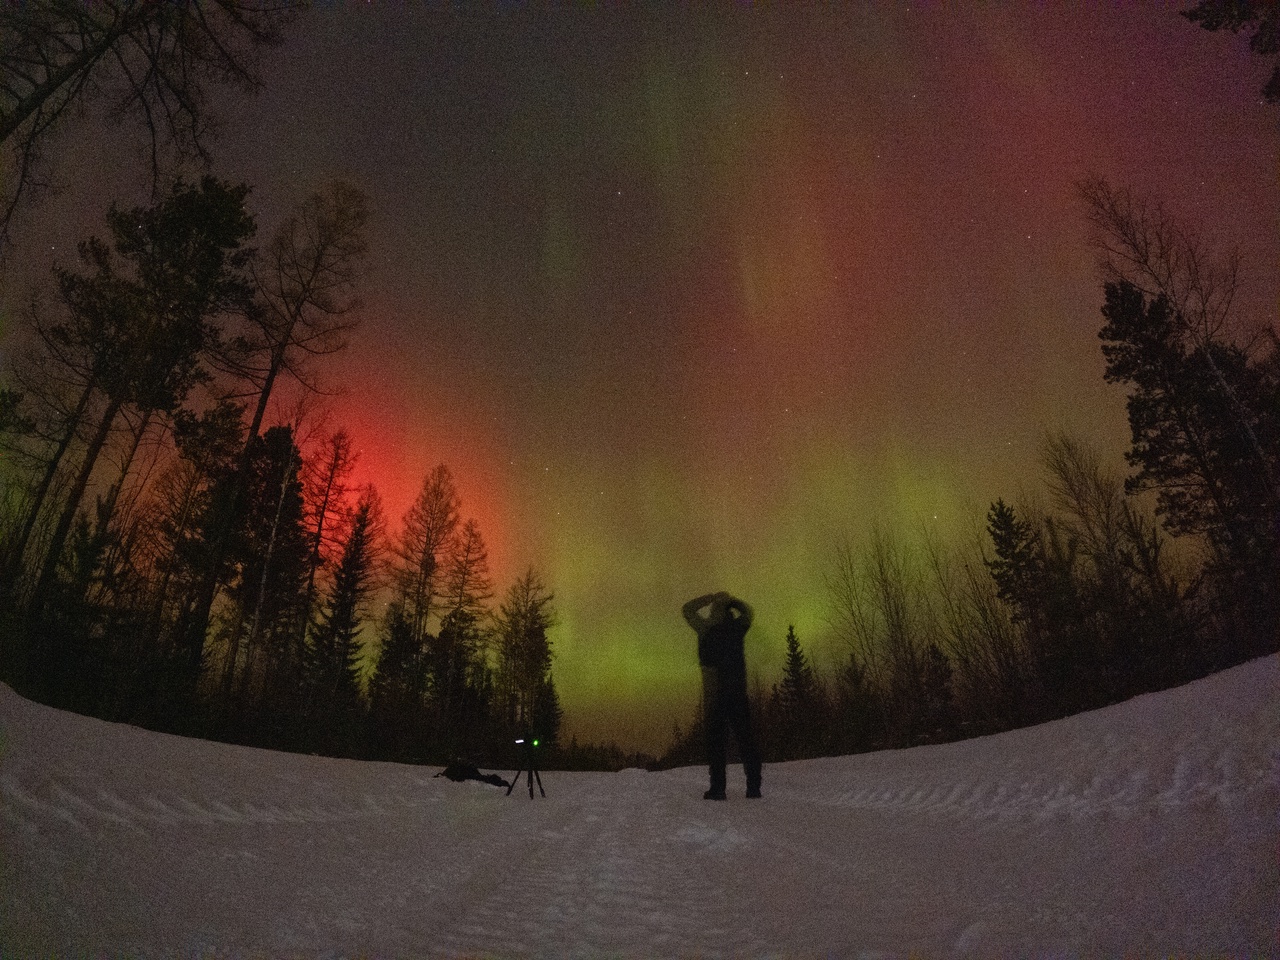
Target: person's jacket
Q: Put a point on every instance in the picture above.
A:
(721, 646)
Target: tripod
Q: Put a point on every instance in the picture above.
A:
(528, 767)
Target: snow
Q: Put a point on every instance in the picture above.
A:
(1151, 827)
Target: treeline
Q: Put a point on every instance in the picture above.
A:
(168, 555)
(1114, 587)
(167, 558)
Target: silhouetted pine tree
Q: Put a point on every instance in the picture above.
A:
(798, 689)
(1205, 422)
(1018, 565)
(397, 717)
(140, 323)
(459, 680)
(547, 713)
(459, 684)
(523, 649)
(327, 514)
(334, 652)
(261, 671)
(937, 697)
(795, 723)
(1033, 572)
(859, 710)
(421, 554)
(188, 493)
(305, 279)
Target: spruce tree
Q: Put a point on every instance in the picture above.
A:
(397, 722)
(1018, 565)
(459, 683)
(334, 652)
(547, 714)
(796, 703)
(798, 689)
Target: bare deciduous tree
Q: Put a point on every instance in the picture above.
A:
(305, 303)
(325, 486)
(1140, 243)
(306, 282)
(1137, 240)
(422, 552)
(523, 648)
(148, 60)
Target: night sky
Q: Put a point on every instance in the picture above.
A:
(684, 299)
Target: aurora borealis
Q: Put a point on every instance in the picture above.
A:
(685, 297)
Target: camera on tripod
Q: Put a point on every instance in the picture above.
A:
(528, 767)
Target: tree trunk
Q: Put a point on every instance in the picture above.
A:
(48, 572)
(255, 627)
(113, 494)
(46, 483)
(194, 623)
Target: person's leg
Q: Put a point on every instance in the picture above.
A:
(715, 721)
(740, 718)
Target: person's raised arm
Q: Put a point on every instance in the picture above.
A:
(719, 603)
(693, 611)
(744, 611)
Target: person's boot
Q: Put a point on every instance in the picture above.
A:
(753, 793)
(714, 794)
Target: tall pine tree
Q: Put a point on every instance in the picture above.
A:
(334, 652)
(799, 726)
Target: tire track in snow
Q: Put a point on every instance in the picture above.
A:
(17, 800)
(1116, 788)
(88, 807)
(588, 874)
(1224, 777)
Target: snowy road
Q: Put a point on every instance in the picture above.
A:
(1151, 827)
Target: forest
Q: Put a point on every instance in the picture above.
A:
(174, 554)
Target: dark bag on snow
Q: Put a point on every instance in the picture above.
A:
(458, 771)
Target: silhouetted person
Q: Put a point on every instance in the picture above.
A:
(724, 685)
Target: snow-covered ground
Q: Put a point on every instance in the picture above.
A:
(1152, 827)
